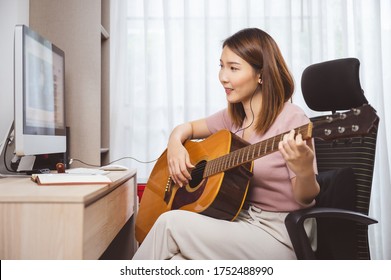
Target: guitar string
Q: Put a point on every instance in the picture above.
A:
(269, 147)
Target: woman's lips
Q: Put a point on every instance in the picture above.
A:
(228, 90)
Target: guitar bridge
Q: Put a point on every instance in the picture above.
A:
(168, 190)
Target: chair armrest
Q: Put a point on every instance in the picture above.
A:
(294, 223)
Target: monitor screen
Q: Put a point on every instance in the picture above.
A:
(39, 90)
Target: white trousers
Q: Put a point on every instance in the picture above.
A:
(255, 234)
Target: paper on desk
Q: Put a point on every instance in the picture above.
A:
(69, 179)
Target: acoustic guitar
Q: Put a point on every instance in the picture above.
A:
(223, 168)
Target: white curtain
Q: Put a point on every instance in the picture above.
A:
(165, 62)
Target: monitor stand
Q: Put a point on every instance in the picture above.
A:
(26, 163)
(7, 155)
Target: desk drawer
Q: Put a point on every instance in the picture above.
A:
(104, 218)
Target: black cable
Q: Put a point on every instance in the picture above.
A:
(6, 143)
(85, 163)
(252, 113)
(132, 158)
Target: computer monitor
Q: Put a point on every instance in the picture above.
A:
(39, 94)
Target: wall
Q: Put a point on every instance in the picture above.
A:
(11, 13)
(75, 27)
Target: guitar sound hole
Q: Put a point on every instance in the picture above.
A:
(197, 174)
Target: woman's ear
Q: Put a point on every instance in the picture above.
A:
(260, 81)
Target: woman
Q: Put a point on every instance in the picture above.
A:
(258, 87)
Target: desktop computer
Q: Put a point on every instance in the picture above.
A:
(37, 138)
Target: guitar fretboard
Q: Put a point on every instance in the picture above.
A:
(251, 152)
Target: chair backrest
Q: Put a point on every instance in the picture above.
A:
(335, 86)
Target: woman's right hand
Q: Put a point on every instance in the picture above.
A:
(179, 164)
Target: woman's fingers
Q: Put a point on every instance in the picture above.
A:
(180, 170)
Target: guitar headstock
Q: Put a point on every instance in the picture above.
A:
(355, 122)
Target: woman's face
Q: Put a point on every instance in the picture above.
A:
(237, 77)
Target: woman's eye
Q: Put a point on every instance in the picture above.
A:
(234, 68)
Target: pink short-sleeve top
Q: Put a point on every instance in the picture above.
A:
(270, 187)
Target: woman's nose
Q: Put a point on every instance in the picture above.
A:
(223, 77)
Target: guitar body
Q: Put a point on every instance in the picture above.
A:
(220, 195)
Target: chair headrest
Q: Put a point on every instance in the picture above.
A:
(333, 85)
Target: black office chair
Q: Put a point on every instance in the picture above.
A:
(345, 167)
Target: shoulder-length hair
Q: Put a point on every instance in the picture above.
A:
(260, 50)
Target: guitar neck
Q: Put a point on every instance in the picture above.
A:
(251, 152)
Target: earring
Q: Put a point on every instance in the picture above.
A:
(260, 81)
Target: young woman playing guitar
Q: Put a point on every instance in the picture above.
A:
(258, 89)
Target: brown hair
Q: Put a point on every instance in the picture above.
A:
(260, 50)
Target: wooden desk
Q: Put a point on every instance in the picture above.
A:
(66, 222)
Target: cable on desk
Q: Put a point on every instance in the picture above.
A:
(94, 165)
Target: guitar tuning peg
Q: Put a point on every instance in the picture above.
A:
(355, 128)
(341, 129)
(342, 116)
(356, 111)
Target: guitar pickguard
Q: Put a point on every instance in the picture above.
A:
(187, 195)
